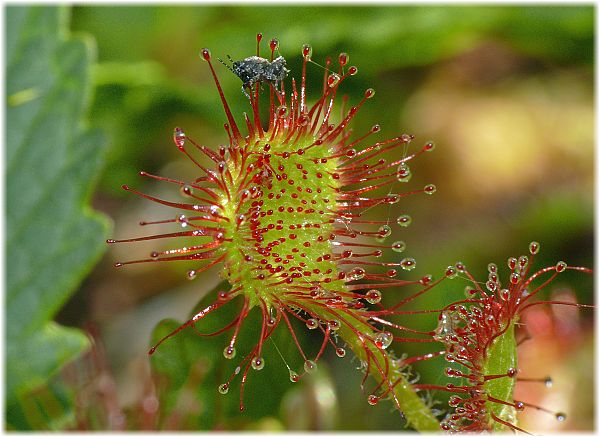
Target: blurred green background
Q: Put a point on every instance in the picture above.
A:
(505, 92)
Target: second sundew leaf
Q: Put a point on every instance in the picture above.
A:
(480, 342)
(52, 159)
(281, 210)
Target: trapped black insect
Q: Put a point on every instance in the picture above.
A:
(255, 69)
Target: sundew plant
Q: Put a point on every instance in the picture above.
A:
(381, 223)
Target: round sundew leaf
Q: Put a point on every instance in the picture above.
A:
(53, 237)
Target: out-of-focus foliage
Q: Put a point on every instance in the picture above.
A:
(506, 93)
(53, 237)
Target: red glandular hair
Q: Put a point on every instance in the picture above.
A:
(282, 207)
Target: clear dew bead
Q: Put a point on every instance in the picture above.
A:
(392, 199)
(561, 266)
(229, 352)
(384, 231)
(258, 363)
(469, 291)
(334, 325)
(548, 382)
(451, 272)
(430, 189)
(492, 268)
(310, 366)
(294, 377)
(356, 274)
(340, 352)
(404, 220)
(186, 190)
(383, 340)
(534, 247)
(373, 296)
(514, 278)
(398, 246)
(224, 388)
(312, 324)
(403, 173)
(179, 137)
(182, 220)
(333, 80)
(523, 260)
(306, 51)
(444, 328)
(426, 279)
(561, 417)
(191, 275)
(408, 264)
(372, 400)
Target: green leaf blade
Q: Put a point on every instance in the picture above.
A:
(53, 237)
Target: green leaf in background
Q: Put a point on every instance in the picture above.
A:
(188, 369)
(53, 237)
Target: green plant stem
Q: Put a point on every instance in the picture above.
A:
(502, 355)
(355, 332)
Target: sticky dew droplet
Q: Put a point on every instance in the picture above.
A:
(333, 80)
(403, 173)
(258, 363)
(430, 189)
(187, 190)
(523, 260)
(179, 137)
(310, 366)
(534, 247)
(425, 280)
(383, 232)
(372, 400)
(392, 199)
(451, 272)
(404, 220)
(373, 296)
(383, 340)
(306, 51)
(229, 352)
(224, 388)
(334, 325)
(312, 324)
(356, 274)
(408, 264)
(398, 246)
